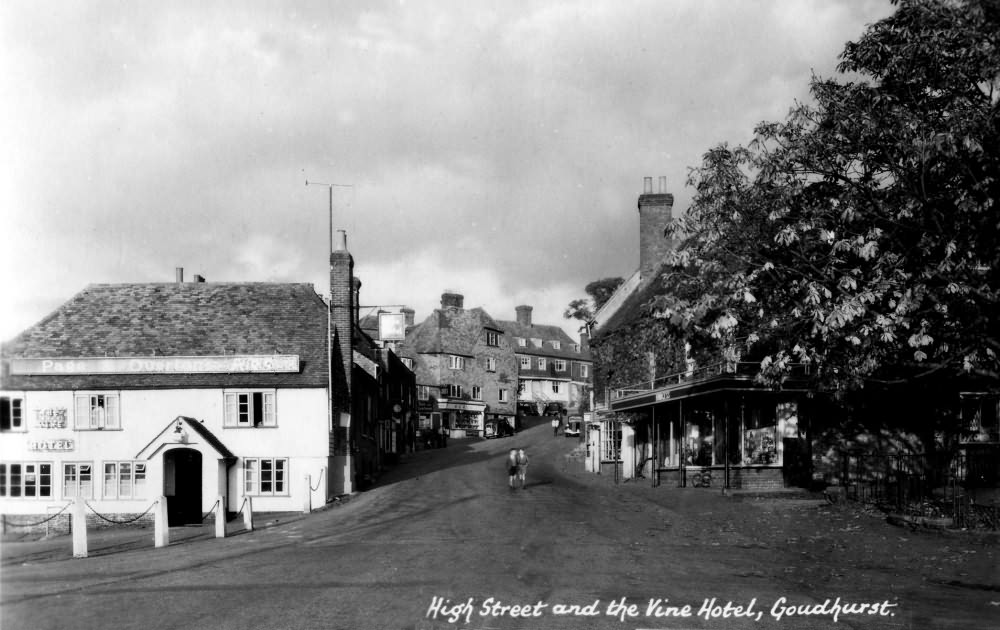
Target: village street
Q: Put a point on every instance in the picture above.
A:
(442, 542)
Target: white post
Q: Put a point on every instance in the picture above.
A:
(79, 525)
(307, 503)
(220, 518)
(161, 528)
(248, 514)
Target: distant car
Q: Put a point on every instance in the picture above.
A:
(553, 409)
(573, 426)
(527, 409)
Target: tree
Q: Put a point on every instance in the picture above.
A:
(860, 235)
(600, 291)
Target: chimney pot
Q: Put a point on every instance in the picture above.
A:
(179, 274)
(663, 185)
(341, 244)
(647, 185)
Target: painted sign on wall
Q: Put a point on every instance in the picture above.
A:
(226, 364)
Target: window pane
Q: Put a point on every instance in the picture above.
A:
(15, 480)
(70, 482)
(110, 481)
(250, 476)
(3, 480)
(266, 476)
(269, 418)
(125, 480)
(279, 475)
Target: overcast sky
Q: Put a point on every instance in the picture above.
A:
(495, 149)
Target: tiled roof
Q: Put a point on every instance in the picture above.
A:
(547, 333)
(178, 319)
(450, 331)
(634, 305)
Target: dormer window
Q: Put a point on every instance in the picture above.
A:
(492, 338)
(575, 347)
(536, 342)
(556, 345)
(522, 342)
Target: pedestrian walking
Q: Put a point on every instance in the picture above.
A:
(522, 466)
(512, 467)
(555, 426)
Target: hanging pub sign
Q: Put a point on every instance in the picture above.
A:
(225, 364)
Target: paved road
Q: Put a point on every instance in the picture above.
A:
(443, 529)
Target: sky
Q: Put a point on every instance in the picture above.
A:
(493, 149)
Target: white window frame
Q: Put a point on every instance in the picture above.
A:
(254, 473)
(477, 392)
(97, 411)
(35, 471)
(491, 364)
(559, 364)
(525, 363)
(238, 408)
(556, 345)
(522, 342)
(121, 474)
(492, 338)
(456, 362)
(78, 480)
(14, 412)
(541, 363)
(584, 370)
(502, 395)
(454, 390)
(407, 361)
(555, 387)
(611, 441)
(423, 392)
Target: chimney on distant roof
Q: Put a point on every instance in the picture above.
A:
(179, 274)
(199, 278)
(452, 300)
(655, 214)
(408, 315)
(523, 314)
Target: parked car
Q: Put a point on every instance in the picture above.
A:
(573, 426)
(527, 409)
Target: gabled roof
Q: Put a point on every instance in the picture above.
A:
(631, 304)
(178, 319)
(448, 331)
(547, 333)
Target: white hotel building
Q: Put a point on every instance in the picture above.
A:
(190, 391)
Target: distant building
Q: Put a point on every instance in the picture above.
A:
(553, 370)
(466, 372)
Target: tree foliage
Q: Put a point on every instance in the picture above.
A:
(860, 234)
(600, 291)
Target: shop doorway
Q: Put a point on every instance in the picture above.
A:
(182, 486)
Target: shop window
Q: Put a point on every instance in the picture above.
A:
(78, 480)
(760, 432)
(980, 418)
(124, 480)
(611, 441)
(699, 444)
(11, 414)
(250, 409)
(26, 479)
(560, 365)
(477, 392)
(265, 476)
(96, 411)
(491, 364)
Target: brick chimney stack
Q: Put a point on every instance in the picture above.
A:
(655, 214)
(452, 300)
(408, 315)
(523, 314)
(342, 313)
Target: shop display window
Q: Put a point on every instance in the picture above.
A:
(700, 438)
(26, 479)
(611, 441)
(78, 480)
(760, 431)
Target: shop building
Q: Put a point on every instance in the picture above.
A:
(466, 372)
(663, 416)
(554, 372)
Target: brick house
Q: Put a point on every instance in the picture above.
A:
(466, 371)
(553, 370)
